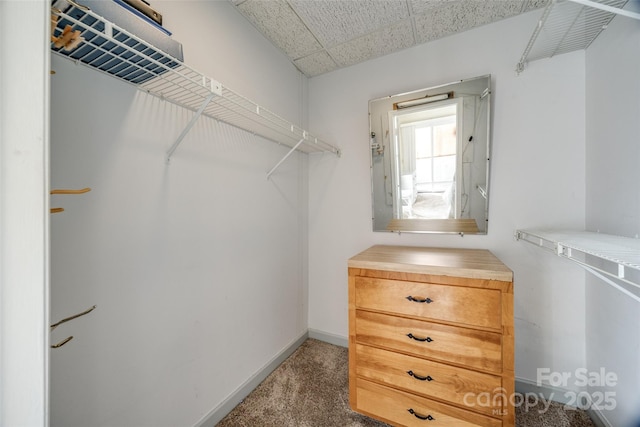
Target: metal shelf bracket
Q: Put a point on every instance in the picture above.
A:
(286, 156)
(186, 130)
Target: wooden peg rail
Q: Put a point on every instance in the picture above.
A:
(67, 191)
(75, 316)
(65, 320)
(63, 342)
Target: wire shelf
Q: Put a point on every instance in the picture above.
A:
(615, 256)
(566, 26)
(110, 49)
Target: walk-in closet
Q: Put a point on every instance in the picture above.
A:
(173, 226)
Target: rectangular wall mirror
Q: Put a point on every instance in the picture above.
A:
(430, 159)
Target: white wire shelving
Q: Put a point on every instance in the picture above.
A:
(602, 254)
(569, 25)
(110, 49)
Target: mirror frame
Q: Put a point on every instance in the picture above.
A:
(379, 146)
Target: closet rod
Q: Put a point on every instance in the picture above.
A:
(75, 316)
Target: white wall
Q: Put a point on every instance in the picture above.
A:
(198, 268)
(537, 179)
(24, 214)
(613, 206)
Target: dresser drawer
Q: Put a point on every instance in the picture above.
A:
(461, 346)
(459, 304)
(404, 409)
(481, 392)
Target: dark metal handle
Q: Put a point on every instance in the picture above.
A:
(413, 337)
(414, 299)
(419, 377)
(422, 417)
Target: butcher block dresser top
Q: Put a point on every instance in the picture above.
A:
(470, 263)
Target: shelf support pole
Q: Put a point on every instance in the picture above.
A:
(189, 126)
(286, 156)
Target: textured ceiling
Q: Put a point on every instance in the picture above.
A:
(323, 35)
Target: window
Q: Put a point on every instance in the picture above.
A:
(428, 160)
(436, 147)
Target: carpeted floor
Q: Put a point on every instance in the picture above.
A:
(310, 389)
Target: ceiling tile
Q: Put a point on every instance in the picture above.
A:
(277, 21)
(448, 17)
(534, 4)
(322, 35)
(419, 7)
(335, 22)
(501, 9)
(315, 64)
(373, 45)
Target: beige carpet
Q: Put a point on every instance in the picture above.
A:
(310, 389)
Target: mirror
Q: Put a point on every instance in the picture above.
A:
(430, 159)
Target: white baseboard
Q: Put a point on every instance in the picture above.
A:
(598, 418)
(563, 396)
(220, 411)
(330, 338)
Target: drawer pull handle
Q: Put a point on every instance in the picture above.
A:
(413, 337)
(422, 417)
(419, 377)
(414, 299)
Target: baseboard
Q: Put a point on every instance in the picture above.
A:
(220, 411)
(598, 418)
(559, 395)
(563, 396)
(330, 338)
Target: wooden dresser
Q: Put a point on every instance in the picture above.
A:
(431, 337)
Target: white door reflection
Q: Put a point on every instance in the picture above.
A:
(427, 144)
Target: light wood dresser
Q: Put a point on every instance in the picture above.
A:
(431, 337)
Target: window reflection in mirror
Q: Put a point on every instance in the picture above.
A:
(429, 159)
